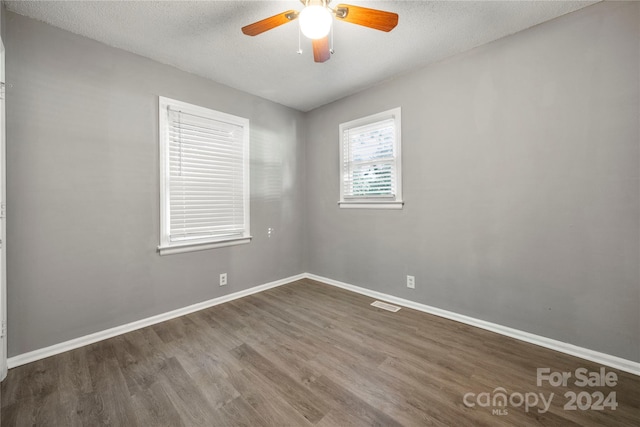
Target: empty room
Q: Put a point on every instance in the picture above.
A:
(313, 213)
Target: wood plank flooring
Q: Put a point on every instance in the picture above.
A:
(303, 354)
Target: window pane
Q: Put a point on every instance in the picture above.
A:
(374, 180)
(369, 150)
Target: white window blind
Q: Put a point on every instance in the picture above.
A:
(205, 176)
(369, 160)
(370, 163)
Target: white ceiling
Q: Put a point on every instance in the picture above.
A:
(204, 38)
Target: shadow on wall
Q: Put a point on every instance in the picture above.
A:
(267, 176)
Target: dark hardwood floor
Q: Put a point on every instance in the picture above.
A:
(306, 354)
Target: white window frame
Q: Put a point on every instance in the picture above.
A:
(166, 246)
(374, 202)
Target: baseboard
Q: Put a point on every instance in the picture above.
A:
(35, 355)
(573, 350)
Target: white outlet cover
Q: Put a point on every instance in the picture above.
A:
(411, 282)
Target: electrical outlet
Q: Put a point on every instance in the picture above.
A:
(223, 279)
(411, 282)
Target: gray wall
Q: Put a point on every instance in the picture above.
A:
(83, 216)
(520, 177)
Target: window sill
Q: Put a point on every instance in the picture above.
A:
(193, 247)
(371, 205)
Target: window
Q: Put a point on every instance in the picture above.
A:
(370, 174)
(204, 178)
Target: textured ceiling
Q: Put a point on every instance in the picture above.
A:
(204, 38)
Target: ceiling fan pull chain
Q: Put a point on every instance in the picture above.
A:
(299, 52)
(331, 48)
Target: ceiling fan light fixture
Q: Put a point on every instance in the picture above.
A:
(315, 21)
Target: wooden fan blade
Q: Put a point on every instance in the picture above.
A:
(321, 51)
(269, 23)
(372, 18)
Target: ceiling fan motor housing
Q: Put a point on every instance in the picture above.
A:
(323, 3)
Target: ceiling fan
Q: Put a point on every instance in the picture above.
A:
(316, 18)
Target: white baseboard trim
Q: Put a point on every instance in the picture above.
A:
(573, 350)
(42, 353)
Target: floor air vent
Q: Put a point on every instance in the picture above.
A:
(385, 306)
